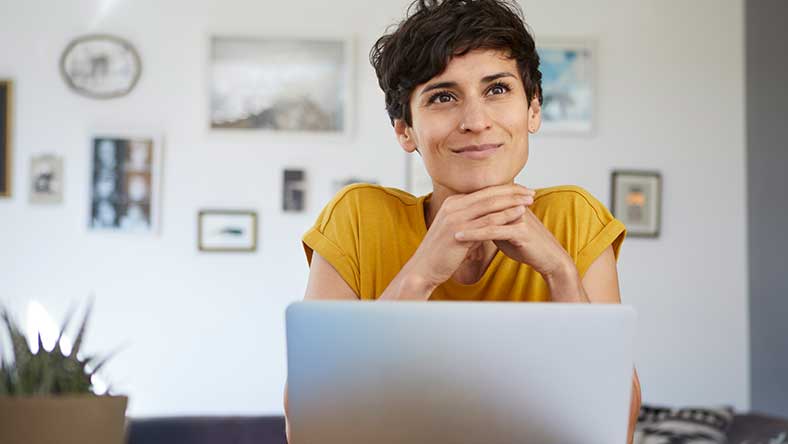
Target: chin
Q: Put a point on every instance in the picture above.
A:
(467, 185)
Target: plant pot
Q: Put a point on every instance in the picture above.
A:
(67, 419)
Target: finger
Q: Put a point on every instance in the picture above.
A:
(508, 216)
(495, 191)
(490, 232)
(495, 204)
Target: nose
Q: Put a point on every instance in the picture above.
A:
(474, 118)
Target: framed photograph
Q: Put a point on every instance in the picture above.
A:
(568, 86)
(46, 179)
(293, 191)
(280, 84)
(227, 231)
(100, 66)
(124, 183)
(417, 181)
(6, 111)
(637, 201)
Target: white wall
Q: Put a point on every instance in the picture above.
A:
(205, 331)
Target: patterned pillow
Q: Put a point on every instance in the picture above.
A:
(660, 425)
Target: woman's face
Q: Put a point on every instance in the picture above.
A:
(471, 123)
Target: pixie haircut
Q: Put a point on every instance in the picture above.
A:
(434, 31)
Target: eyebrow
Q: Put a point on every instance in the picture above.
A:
(485, 79)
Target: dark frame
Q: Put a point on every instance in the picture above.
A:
(6, 112)
(643, 174)
(203, 248)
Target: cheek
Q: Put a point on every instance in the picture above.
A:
(433, 130)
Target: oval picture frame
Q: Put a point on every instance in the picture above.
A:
(100, 66)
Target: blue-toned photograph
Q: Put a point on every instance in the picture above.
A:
(568, 88)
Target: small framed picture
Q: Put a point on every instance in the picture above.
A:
(637, 201)
(568, 86)
(293, 190)
(5, 137)
(227, 231)
(124, 183)
(46, 179)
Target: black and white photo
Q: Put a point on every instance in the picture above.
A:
(46, 179)
(124, 182)
(293, 190)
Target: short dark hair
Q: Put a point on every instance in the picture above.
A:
(434, 31)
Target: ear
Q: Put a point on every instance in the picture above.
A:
(405, 135)
(534, 116)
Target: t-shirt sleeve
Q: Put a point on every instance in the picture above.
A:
(597, 230)
(335, 237)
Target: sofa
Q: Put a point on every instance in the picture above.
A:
(746, 428)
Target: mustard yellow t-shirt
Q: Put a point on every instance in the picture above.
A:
(368, 233)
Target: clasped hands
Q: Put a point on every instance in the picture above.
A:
(500, 214)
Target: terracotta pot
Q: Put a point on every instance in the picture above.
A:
(68, 419)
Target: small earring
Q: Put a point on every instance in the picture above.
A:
(462, 126)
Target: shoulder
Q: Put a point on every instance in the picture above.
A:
(367, 199)
(570, 201)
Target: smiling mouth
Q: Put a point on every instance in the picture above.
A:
(477, 148)
(478, 152)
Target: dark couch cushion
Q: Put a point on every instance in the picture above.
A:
(207, 430)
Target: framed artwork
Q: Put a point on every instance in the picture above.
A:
(637, 201)
(293, 190)
(227, 231)
(6, 111)
(46, 179)
(417, 181)
(124, 183)
(280, 84)
(568, 86)
(100, 66)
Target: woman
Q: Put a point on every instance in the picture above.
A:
(463, 90)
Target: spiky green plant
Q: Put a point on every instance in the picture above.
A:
(47, 372)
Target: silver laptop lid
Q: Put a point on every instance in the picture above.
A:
(458, 372)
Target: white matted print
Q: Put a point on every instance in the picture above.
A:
(46, 179)
(226, 231)
(124, 183)
(417, 180)
(280, 84)
(637, 201)
(568, 79)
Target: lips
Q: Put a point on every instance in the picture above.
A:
(478, 151)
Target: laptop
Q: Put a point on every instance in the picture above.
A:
(458, 372)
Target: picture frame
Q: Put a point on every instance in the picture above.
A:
(124, 182)
(46, 179)
(227, 231)
(6, 122)
(637, 201)
(100, 66)
(569, 96)
(280, 84)
(294, 190)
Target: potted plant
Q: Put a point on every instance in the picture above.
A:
(47, 397)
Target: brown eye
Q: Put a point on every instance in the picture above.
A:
(441, 97)
(498, 88)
